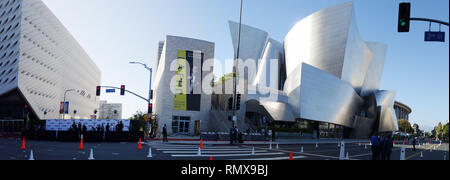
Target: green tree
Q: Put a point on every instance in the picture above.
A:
(416, 129)
(138, 121)
(438, 131)
(445, 132)
(405, 126)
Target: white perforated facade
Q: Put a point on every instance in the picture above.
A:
(41, 60)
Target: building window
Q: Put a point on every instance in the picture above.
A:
(181, 124)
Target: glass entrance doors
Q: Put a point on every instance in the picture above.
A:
(181, 124)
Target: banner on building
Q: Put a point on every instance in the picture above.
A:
(188, 80)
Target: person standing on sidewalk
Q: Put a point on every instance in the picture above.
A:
(380, 147)
(231, 135)
(387, 148)
(274, 137)
(165, 133)
(374, 142)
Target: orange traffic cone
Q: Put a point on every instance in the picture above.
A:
(81, 143)
(291, 157)
(201, 143)
(210, 158)
(140, 144)
(23, 144)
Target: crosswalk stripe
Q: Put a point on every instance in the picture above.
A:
(195, 147)
(224, 155)
(210, 152)
(269, 159)
(204, 149)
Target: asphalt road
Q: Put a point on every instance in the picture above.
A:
(10, 149)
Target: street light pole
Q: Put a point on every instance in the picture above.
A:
(235, 69)
(149, 92)
(65, 93)
(64, 111)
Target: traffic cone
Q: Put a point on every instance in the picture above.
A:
(201, 143)
(317, 145)
(199, 153)
(291, 157)
(91, 155)
(31, 156)
(301, 150)
(277, 146)
(347, 157)
(23, 144)
(81, 143)
(210, 158)
(421, 154)
(149, 153)
(270, 147)
(253, 151)
(140, 144)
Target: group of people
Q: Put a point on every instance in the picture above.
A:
(234, 135)
(381, 147)
(100, 128)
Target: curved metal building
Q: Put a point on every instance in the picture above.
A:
(326, 73)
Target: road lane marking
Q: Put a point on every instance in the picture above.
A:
(416, 154)
(270, 159)
(301, 153)
(225, 155)
(210, 152)
(195, 149)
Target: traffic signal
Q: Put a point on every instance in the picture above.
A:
(238, 102)
(26, 109)
(150, 108)
(404, 17)
(122, 90)
(98, 90)
(151, 94)
(230, 104)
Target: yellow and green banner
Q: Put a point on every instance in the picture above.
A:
(188, 76)
(180, 100)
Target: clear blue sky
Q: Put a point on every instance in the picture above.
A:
(114, 32)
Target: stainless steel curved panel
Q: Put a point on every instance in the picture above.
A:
(357, 57)
(374, 73)
(388, 120)
(269, 67)
(320, 40)
(325, 98)
(253, 41)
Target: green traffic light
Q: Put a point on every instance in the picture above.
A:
(402, 22)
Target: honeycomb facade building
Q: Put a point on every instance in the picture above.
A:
(39, 61)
